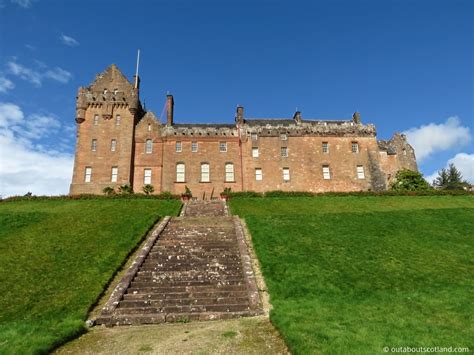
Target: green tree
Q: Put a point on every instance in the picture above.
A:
(409, 180)
(148, 189)
(450, 179)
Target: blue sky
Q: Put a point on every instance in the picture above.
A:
(406, 65)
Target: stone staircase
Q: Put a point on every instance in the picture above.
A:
(196, 268)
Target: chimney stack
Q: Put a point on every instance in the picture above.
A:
(356, 117)
(239, 117)
(169, 109)
(297, 117)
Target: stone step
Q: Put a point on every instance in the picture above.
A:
(183, 295)
(215, 283)
(157, 289)
(202, 271)
(174, 280)
(182, 302)
(183, 309)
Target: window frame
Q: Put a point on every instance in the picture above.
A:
(228, 172)
(149, 146)
(283, 136)
(356, 145)
(326, 172)
(114, 174)
(287, 170)
(205, 176)
(178, 146)
(254, 137)
(194, 144)
(95, 120)
(147, 177)
(255, 149)
(94, 145)
(223, 147)
(284, 149)
(360, 172)
(88, 174)
(325, 147)
(113, 145)
(258, 174)
(183, 172)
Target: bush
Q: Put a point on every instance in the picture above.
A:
(108, 190)
(148, 189)
(280, 193)
(409, 180)
(125, 189)
(245, 194)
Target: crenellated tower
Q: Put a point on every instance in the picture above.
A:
(106, 114)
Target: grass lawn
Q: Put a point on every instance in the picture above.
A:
(56, 258)
(351, 275)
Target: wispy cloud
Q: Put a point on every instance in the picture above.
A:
(36, 77)
(5, 84)
(68, 40)
(432, 138)
(26, 164)
(26, 4)
(58, 74)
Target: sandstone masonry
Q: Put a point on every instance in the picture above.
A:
(118, 143)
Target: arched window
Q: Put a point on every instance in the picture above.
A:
(205, 172)
(180, 172)
(149, 146)
(229, 172)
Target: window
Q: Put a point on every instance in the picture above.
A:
(254, 136)
(326, 172)
(194, 147)
(283, 137)
(179, 147)
(325, 147)
(96, 120)
(94, 145)
(147, 177)
(404, 151)
(149, 127)
(223, 146)
(360, 172)
(255, 152)
(205, 172)
(229, 172)
(258, 174)
(284, 151)
(149, 146)
(286, 174)
(115, 91)
(105, 91)
(88, 174)
(114, 174)
(355, 147)
(118, 118)
(113, 145)
(180, 172)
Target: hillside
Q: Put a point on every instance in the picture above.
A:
(357, 274)
(56, 258)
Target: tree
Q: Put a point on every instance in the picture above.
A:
(450, 179)
(148, 189)
(409, 180)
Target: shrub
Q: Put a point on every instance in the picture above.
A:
(280, 193)
(409, 180)
(148, 189)
(125, 189)
(108, 191)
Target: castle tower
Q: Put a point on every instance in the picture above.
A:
(106, 114)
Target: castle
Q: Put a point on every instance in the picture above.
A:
(119, 142)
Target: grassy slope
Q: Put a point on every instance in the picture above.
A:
(354, 274)
(55, 259)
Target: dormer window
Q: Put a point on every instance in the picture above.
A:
(105, 91)
(149, 127)
(115, 91)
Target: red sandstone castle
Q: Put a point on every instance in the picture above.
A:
(119, 143)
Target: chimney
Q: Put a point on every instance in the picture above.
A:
(169, 109)
(356, 117)
(136, 82)
(239, 117)
(297, 117)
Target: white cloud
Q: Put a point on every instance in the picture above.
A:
(432, 138)
(25, 73)
(5, 84)
(23, 3)
(36, 77)
(24, 165)
(464, 162)
(68, 41)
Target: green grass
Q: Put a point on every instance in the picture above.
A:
(56, 257)
(350, 275)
